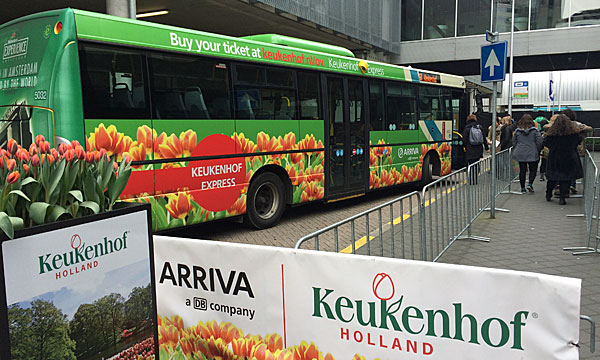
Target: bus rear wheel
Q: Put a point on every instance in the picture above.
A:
(266, 201)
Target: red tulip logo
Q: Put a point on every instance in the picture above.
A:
(383, 286)
(75, 241)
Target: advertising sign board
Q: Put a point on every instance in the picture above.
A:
(79, 289)
(221, 300)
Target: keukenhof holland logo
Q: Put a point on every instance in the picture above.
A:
(81, 257)
(391, 322)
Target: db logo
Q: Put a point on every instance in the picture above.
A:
(75, 241)
(383, 286)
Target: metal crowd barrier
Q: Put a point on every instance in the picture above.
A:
(442, 213)
(420, 226)
(591, 192)
(391, 229)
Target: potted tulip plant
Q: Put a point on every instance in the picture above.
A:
(70, 254)
(43, 185)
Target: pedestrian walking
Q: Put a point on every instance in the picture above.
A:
(474, 144)
(508, 128)
(583, 131)
(527, 144)
(498, 133)
(541, 123)
(563, 164)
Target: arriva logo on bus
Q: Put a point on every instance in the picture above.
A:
(409, 151)
(402, 317)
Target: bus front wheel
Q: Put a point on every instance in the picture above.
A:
(266, 201)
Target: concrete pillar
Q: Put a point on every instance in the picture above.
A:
(122, 8)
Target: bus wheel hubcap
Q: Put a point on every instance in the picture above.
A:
(266, 200)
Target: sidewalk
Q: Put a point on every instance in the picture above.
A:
(531, 237)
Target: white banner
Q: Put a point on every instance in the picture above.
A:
(222, 299)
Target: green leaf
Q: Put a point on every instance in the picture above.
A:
(160, 212)
(17, 222)
(163, 354)
(20, 193)
(56, 212)
(119, 185)
(77, 195)
(91, 205)
(6, 225)
(89, 188)
(55, 176)
(74, 209)
(107, 171)
(28, 180)
(73, 172)
(176, 223)
(37, 211)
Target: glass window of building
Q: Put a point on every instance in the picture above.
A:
(549, 14)
(411, 20)
(439, 19)
(585, 13)
(503, 15)
(473, 17)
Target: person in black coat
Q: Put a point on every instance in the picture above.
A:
(563, 163)
(506, 133)
(473, 152)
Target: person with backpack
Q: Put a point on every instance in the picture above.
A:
(474, 143)
(527, 144)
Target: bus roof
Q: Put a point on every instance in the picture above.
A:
(268, 49)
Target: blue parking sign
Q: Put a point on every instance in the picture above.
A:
(493, 61)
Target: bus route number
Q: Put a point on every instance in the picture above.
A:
(40, 95)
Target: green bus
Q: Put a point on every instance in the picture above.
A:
(220, 126)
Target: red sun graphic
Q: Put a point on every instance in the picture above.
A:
(383, 286)
(75, 241)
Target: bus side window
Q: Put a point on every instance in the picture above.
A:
(401, 106)
(111, 82)
(264, 94)
(189, 87)
(376, 116)
(309, 96)
(432, 103)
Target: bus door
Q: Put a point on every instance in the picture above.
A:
(347, 147)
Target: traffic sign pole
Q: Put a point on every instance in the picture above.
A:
(493, 68)
(493, 199)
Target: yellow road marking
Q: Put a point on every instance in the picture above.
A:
(359, 243)
(363, 240)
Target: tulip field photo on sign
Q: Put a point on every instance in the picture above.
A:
(260, 302)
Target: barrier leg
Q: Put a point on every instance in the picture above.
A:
(592, 332)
